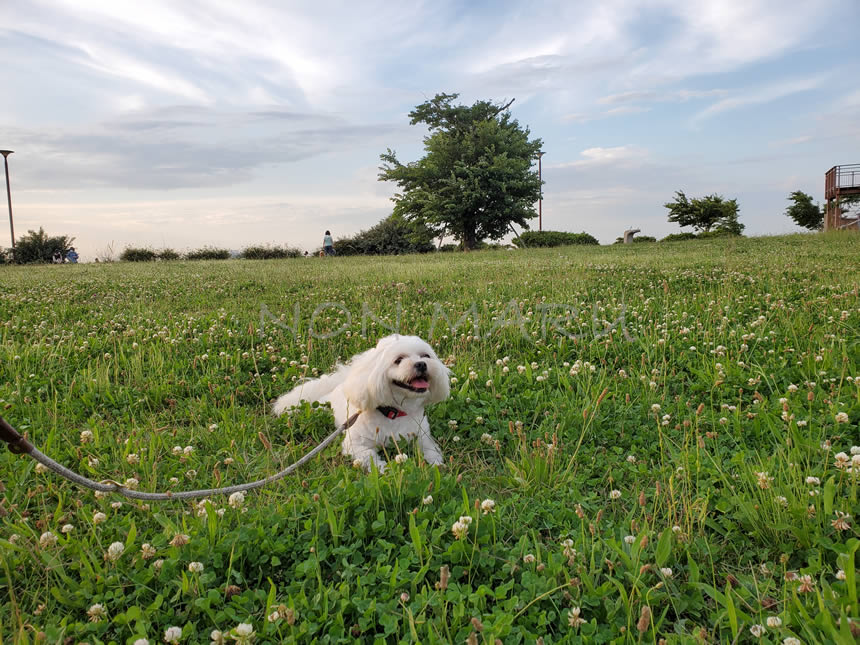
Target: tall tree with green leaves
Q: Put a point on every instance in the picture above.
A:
(804, 212)
(712, 212)
(476, 178)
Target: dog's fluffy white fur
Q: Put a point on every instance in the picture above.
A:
(401, 372)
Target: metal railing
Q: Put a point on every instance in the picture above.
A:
(841, 177)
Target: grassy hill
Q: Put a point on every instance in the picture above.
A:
(665, 432)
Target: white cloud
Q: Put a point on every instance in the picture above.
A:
(622, 156)
(761, 95)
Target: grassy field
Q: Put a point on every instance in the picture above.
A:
(667, 436)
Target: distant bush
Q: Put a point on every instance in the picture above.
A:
(168, 254)
(449, 248)
(392, 236)
(717, 233)
(38, 247)
(260, 252)
(533, 239)
(133, 254)
(208, 253)
(679, 237)
(641, 238)
(5, 256)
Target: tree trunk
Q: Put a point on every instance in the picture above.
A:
(469, 239)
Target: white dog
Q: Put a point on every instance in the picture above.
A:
(389, 385)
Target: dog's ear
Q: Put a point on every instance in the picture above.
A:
(440, 388)
(365, 382)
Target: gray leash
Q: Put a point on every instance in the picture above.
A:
(19, 445)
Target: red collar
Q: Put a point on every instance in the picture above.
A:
(390, 413)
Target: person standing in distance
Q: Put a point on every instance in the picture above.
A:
(328, 243)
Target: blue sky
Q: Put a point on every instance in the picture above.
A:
(183, 124)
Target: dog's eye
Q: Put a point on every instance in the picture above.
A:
(397, 361)
(425, 355)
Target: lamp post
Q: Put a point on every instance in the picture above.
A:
(540, 199)
(6, 154)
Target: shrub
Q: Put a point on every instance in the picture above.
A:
(261, 252)
(133, 254)
(208, 253)
(168, 254)
(717, 233)
(38, 247)
(679, 237)
(394, 235)
(532, 239)
(644, 238)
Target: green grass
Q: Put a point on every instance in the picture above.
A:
(749, 347)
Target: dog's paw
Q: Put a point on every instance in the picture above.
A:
(434, 459)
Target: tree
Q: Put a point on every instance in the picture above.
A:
(392, 236)
(37, 246)
(475, 180)
(804, 212)
(706, 213)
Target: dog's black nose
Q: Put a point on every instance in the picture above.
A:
(421, 366)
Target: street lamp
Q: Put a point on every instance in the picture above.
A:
(6, 154)
(540, 199)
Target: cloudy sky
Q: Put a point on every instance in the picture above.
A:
(226, 123)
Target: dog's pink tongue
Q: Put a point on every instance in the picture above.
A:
(419, 383)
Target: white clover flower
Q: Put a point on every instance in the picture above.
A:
(116, 505)
(757, 630)
(792, 388)
(487, 438)
(188, 450)
(217, 637)
(243, 633)
(133, 458)
(177, 451)
(275, 615)
(41, 468)
(488, 506)
(791, 640)
(855, 450)
(99, 517)
(86, 436)
(773, 621)
(655, 408)
(236, 500)
(157, 564)
(195, 567)
(213, 427)
(615, 494)
(631, 459)
(131, 483)
(147, 551)
(479, 421)
(47, 539)
(96, 612)
(115, 550)
(529, 558)
(466, 519)
(842, 460)
(573, 617)
(67, 528)
(427, 500)
(400, 458)
(813, 481)
(460, 530)
(172, 635)
(842, 417)
(141, 641)
(666, 571)
(629, 539)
